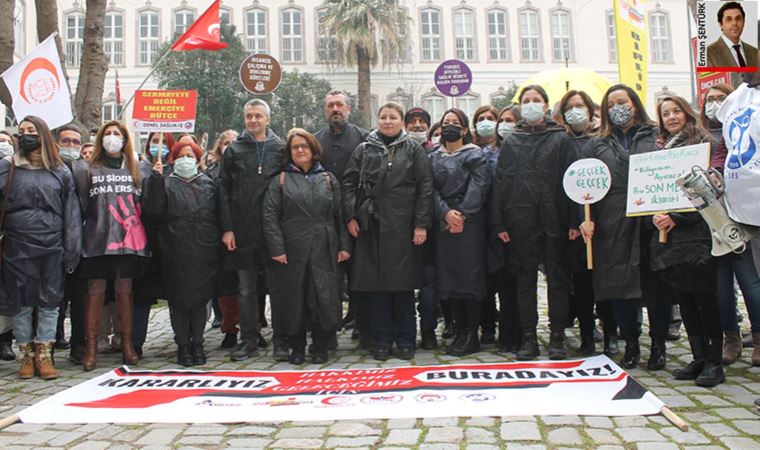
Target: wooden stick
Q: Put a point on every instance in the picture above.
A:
(160, 143)
(589, 253)
(663, 237)
(674, 419)
(8, 421)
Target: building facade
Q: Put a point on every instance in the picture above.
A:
(503, 42)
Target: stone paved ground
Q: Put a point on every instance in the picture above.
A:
(722, 417)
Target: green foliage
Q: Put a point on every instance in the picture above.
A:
(298, 102)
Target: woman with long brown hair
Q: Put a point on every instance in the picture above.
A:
(109, 190)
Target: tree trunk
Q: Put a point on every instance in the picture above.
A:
(363, 83)
(7, 44)
(88, 102)
(47, 24)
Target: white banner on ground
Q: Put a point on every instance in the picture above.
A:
(592, 386)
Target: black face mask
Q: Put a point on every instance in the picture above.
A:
(451, 133)
(28, 142)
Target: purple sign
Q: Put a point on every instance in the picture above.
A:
(453, 78)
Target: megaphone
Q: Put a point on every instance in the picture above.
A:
(704, 188)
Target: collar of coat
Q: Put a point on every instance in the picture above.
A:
(248, 139)
(315, 169)
(547, 125)
(375, 139)
(442, 149)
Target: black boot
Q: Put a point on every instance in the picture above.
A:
(468, 345)
(694, 368)
(448, 329)
(588, 346)
(529, 348)
(632, 353)
(6, 346)
(459, 335)
(297, 357)
(657, 354)
(429, 341)
(199, 355)
(184, 357)
(280, 349)
(557, 346)
(229, 341)
(611, 345)
(712, 374)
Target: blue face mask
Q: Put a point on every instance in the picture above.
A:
(186, 167)
(154, 151)
(486, 128)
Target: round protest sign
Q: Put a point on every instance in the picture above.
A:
(453, 78)
(260, 74)
(587, 181)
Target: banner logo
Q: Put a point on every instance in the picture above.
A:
(40, 81)
(743, 150)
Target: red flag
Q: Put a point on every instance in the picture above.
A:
(204, 33)
(117, 88)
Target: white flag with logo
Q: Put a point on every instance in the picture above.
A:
(38, 86)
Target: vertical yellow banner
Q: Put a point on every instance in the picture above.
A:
(632, 44)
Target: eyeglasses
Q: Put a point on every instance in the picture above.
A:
(300, 147)
(67, 141)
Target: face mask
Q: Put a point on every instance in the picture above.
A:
(6, 149)
(532, 112)
(576, 117)
(486, 128)
(711, 109)
(418, 136)
(154, 151)
(620, 114)
(28, 142)
(435, 140)
(70, 153)
(451, 133)
(112, 143)
(185, 167)
(506, 128)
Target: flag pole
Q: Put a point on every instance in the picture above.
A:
(155, 66)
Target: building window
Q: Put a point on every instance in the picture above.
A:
(498, 49)
(435, 104)
(430, 23)
(147, 37)
(256, 30)
(659, 35)
(292, 35)
(74, 38)
(396, 55)
(464, 34)
(562, 32)
(183, 18)
(113, 38)
(530, 40)
(611, 39)
(468, 103)
(225, 16)
(18, 28)
(327, 46)
(111, 110)
(402, 98)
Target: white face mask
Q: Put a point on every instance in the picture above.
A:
(532, 112)
(70, 153)
(576, 117)
(505, 128)
(419, 137)
(711, 109)
(112, 143)
(6, 149)
(186, 167)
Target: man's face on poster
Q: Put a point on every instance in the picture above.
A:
(732, 24)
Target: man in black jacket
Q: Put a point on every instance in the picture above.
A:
(247, 166)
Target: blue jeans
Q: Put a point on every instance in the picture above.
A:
(47, 322)
(428, 306)
(743, 267)
(393, 318)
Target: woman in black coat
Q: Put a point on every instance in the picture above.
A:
(685, 262)
(621, 271)
(533, 214)
(388, 204)
(185, 205)
(462, 182)
(304, 229)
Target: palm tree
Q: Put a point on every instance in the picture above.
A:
(366, 30)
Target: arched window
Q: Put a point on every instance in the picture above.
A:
(291, 33)
(464, 34)
(562, 35)
(430, 34)
(659, 37)
(113, 36)
(530, 35)
(498, 35)
(147, 36)
(74, 37)
(256, 30)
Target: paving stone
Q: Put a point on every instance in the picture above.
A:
(685, 437)
(677, 401)
(599, 422)
(525, 447)
(734, 413)
(711, 400)
(602, 436)
(438, 447)
(205, 430)
(748, 426)
(352, 429)
(403, 437)
(363, 442)
(40, 437)
(610, 447)
(298, 443)
(444, 434)
(740, 443)
(568, 436)
(656, 446)
(718, 429)
(394, 424)
(255, 431)
(66, 438)
(128, 435)
(440, 421)
(639, 435)
(160, 437)
(92, 445)
(561, 420)
(201, 439)
(301, 432)
(628, 422)
(482, 447)
(479, 422)
(520, 431)
(248, 443)
(477, 434)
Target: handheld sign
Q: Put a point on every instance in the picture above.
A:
(652, 179)
(164, 111)
(453, 78)
(587, 181)
(260, 74)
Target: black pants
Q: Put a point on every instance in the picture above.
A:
(558, 293)
(467, 312)
(75, 291)
(188, 324)
(607, 316)
(582, 301)
(509, 324)
(391, 318)
(626, 314)
(319, 340)
(488, 312)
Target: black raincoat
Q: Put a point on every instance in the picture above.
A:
(529, 200)
(303, 220)
(188, 236)
(43, 236)
(246, 169)
(617, 239)
(462, 183)
(389, 191)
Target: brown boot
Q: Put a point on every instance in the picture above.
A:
(93, 308)
(756, 349)
(43, 362)
(124, 310)
(26, 361)
(732, 347)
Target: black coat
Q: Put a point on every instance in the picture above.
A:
(462, 183)
(617, 239)
(241, 196)
(43, 236)
(188, 236)
(529, 200)
(303, 220)
(338, 147)
(389, 191)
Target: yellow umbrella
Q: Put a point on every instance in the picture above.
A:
(557, 82)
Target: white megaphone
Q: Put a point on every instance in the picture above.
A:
(704, 188)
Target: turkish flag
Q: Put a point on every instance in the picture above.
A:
(204, 33)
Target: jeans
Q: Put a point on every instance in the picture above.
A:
(249, 306)
(47, 322)
(393, 318)
(743, 267)
(428, 306)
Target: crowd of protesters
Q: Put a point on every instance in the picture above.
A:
(453, 216)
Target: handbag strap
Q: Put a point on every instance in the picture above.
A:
(7, 193)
